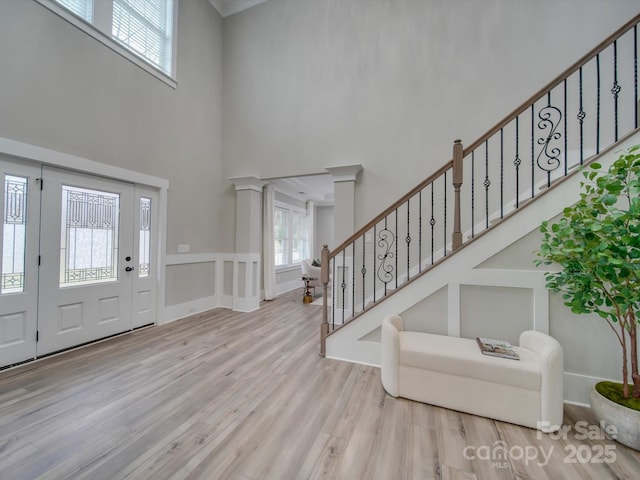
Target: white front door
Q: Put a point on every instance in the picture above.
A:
(19, 204)
(87, 262)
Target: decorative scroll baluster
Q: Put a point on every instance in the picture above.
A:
(615, 90)
(550, 117)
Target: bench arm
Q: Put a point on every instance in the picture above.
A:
(552, 370)
(390, 355)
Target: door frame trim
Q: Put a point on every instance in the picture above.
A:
(54, 158)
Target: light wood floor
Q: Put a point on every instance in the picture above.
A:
(246, 396)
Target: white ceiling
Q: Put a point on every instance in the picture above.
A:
(314, 188)
(229, 7)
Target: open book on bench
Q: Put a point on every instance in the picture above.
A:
(497, 348)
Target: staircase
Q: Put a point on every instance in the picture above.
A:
(453, 228)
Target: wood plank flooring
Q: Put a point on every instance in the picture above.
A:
(226, 395)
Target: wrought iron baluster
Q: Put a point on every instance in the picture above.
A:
(501, 173)
(420, 231)
(353, 279)
(364, 268)
(550, 117)
(432, 222)
(517, 162)
(473, 193)
(487, 184)
(635, 74)
(566, 134)
(343, 285)
(615, 90)
(335, 294)
(581, 117)
(397, 237)
(598, 103)
(408, 238)
(533, 152)
(445, 214)
(375, 240)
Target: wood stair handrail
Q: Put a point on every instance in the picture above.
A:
(552, 84)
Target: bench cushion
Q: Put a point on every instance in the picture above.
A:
(462, 357)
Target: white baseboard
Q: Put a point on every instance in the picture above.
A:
(182, 310)
(289, 286)
(577, 388)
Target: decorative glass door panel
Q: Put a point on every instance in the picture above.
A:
(14, 234)
(144, 254)
(89, 240)
(19, 203)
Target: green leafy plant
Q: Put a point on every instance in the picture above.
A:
(596, 242)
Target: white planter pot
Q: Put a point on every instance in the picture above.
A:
(625, 420)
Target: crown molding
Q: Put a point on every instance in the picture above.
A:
(229, 7)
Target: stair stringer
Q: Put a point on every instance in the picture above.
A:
(358, 341)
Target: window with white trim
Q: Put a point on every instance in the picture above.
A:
(144, 28)
(291, 235)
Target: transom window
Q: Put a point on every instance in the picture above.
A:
(142, 27)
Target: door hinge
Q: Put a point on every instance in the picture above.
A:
(37, 335)
(39, 259)
(41, 182)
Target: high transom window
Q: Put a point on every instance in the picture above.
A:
(143, 27)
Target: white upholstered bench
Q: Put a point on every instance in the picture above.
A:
(451, 372)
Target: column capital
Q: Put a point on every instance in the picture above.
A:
(248, 183)
(345, 173)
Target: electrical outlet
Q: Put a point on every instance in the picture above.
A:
(184, 248)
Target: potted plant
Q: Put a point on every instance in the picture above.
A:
(596, 242)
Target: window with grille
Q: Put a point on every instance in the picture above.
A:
(291, 235)
(145, 28)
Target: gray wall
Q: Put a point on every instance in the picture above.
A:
(323, 229)
(63, 90)
(389, 84)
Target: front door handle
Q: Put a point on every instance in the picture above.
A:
(128, 269)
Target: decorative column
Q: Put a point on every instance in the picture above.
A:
(246, 264)
(344, 219)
